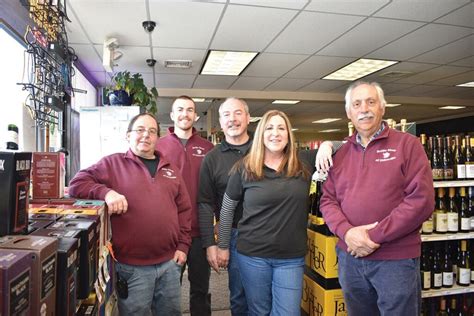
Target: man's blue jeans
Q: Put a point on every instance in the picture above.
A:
(380, 287)
(238, 301)
(154, 288)
(273, 286)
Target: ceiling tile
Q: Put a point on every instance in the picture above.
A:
(184, 24)
(356, 43)
(419, 10)
(304, 35)
(467, 62)
(409, 68)
(89, 57)
(457, 79)
(294, 4)
(287, 84)
(346, 7)
(416, 91)
(409, 46)
(174, 81)
(133, 58)
(75, 34)
(454, 51)
(251, 83)
(323, 85)
(433, 75)
(257, 26)
(462, 16)
(317, 67)
(273, 65)
(195, 55)
(390, 88)
(213, 82)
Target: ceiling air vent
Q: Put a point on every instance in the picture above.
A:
(396, 74)
(182, 64)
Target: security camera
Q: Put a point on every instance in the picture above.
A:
(149, 26)
(151, 62)
(204, 113)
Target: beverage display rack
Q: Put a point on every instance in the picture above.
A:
(456, 289)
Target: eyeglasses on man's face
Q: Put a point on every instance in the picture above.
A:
(141, 130)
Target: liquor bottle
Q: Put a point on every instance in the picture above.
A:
(453, 212)
(455, 251)
(470, 205)
(464, 266)
(440, 215)
(469, 158)
(437, 160)
(425, 266)
(453, 307)
(350, 126)
(459, 160)
(442, 308)
(403, 125)
(427, 226)
(447, 268)
(448, 164)
(436, 268)
(464, 216)
(426, 148)
(12, 137)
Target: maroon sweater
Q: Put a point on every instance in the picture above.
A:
(158, 220)
(390, 182)
(188, 159)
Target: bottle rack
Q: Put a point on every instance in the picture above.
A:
(456, 289)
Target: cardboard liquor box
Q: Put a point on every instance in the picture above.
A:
(100, 222)
(47, 209)
(43, 280)
(15, 281)
(37, 224)
(87, 309)
(50, 217)
(14, 185)
(48, 175)
(322, 254)
(317, 301)
(87, 253)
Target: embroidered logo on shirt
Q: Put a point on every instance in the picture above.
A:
(198, 151)
(386, 155)
(168, 173)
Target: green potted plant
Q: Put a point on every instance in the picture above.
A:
(129, 89)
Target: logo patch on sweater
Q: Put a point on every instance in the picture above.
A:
(198, 151)
(386, 155)
(168, 173)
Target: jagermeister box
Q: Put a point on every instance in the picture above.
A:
(317, 301)
(43, 280)
(15, 281)
(321, 254)
(48, 175)
(14, 185)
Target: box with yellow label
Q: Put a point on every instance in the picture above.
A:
(317, 301)
(321, 254)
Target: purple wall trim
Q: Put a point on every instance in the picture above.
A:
(86, 74)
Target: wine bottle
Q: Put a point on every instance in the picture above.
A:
(436, 268)
(470, 205)
(453, 307)
(442, 308)
(425, 266)
(447, 267)
(440, 215)
(459, 160)
(12, 137)
(464, 217)
(464, 266)
(437, 160)
(453, 212)
(403, 125)
(426, 148)
(448, 164)
(469, 160)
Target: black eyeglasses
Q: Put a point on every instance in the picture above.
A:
(140, 131)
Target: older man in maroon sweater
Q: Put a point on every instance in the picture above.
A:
(376, 197)
(150, 217)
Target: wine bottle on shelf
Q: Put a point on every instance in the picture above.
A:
(469, 158)
(453, 212)
(425, 266)
(470, 205)
(440, 215)
(447, 268)
(437, 160)
(464, 266)
(448, 164)
(403, 125)
(464, 217)
(452, 307)
(436, 267)
(459, 160)
(424, 143)
(442, 307)
(455, 251)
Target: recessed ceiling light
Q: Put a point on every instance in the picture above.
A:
(226, 63)
(286, 101)
(199, 99)
(392, 105)
(181, 64)
(254, 119)
(330, 130)
(466, 85)
(452, 107)
(360, 68)
(326, 120)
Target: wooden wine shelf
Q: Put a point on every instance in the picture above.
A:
(455, 236)
(451, 184)
(456, 289)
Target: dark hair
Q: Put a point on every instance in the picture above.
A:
(136, 117)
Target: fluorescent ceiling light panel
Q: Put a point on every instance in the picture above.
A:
(286, 101)
(254, 119)
(226, 63)
(392, 105)
(466, 85)
(360, 68)
(198, 99)
(330, 130)
(452, 107)
(326, 120)
(294, 129)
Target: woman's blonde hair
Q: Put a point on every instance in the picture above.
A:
(252, 164)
